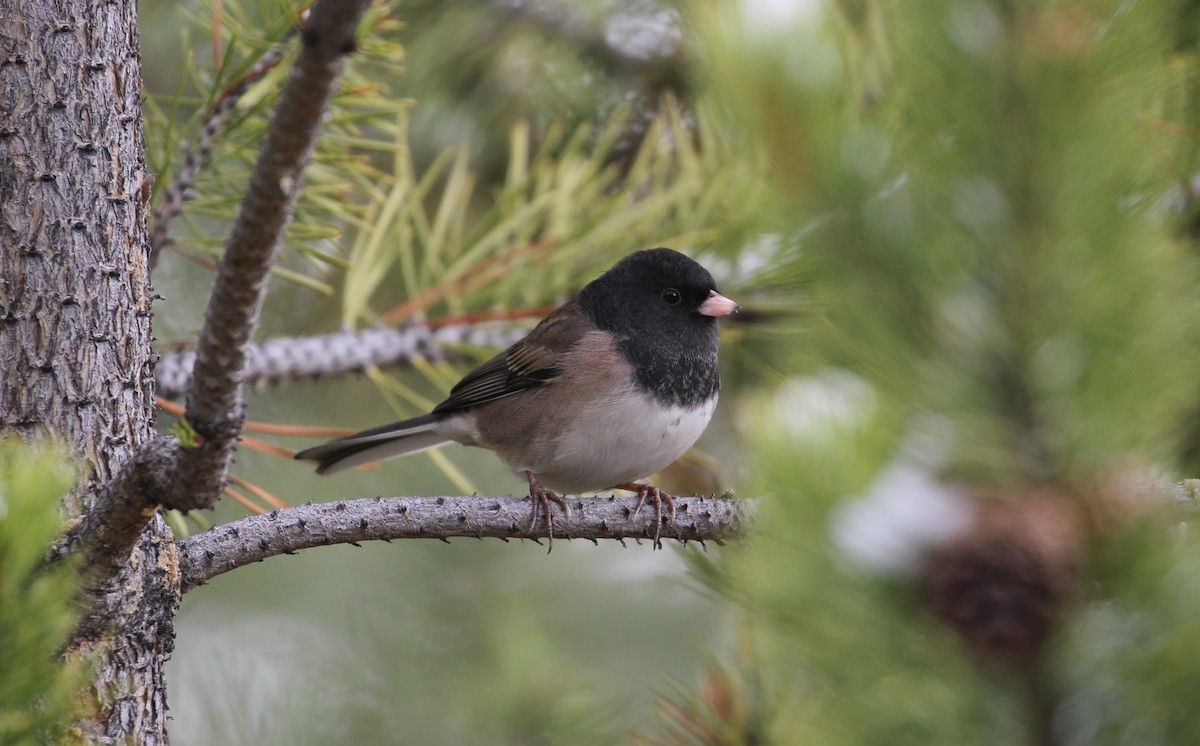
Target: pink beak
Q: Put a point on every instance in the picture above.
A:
(717, 305)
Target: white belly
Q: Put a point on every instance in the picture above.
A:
(620, 440)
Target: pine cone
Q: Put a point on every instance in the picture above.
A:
(1004, 583)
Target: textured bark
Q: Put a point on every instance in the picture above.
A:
(214, 402)
(75, 359)
(253, 539)
(106, 533)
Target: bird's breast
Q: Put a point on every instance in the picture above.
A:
(610, 442)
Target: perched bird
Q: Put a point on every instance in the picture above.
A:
(612, 386)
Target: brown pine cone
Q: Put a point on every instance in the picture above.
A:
(1004, 583)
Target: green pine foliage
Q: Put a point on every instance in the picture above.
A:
(37, 610)
(974, 244)
(1132, 652)
(981, 203)
(347, 169)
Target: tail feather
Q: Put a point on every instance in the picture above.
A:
(398, 439)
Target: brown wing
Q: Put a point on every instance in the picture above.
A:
(530, 362)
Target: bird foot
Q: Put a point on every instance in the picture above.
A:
(541, 499)
(645, 493)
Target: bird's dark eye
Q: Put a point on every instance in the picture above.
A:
(672, 296)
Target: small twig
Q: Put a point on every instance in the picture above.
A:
(196, 153)
(214, 401)
(254, 538)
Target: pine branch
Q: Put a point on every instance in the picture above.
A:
(214, 402)
(106, 536)
(254, 538)
(351, 351)
(197, 153)
(107, 533)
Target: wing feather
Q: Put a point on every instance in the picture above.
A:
(533, 361)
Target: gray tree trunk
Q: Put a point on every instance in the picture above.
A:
(75, 298)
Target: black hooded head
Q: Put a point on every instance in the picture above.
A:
(650, 301)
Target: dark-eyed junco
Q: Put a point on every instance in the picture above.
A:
(612, 386)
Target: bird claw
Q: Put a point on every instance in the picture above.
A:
(542, 499)
(649, 491)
